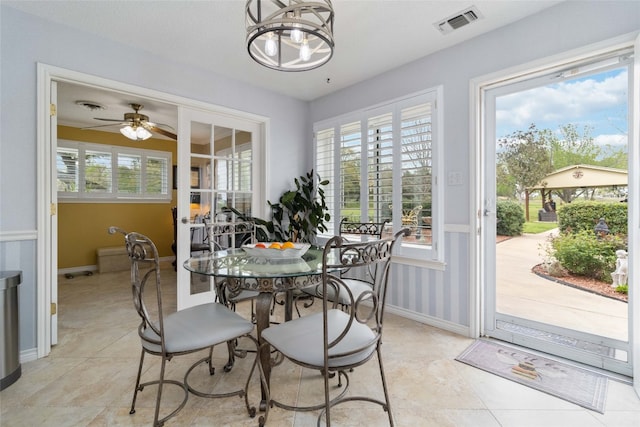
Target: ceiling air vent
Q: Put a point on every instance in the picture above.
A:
(458, 20)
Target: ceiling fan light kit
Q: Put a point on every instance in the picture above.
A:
(136, 133)
(137, 126)
(297, 36)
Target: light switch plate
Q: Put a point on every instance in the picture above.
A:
(454, 178)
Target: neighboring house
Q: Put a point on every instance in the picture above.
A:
(442, 292)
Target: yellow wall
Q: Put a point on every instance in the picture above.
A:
(82, 227)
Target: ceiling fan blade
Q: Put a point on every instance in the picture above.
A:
(161, 131)
(109, 120)
(101, 126)
(151, 124)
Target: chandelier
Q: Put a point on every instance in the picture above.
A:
(297, 36)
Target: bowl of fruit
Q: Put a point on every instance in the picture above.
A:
(276, 249)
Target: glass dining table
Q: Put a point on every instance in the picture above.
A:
(239, 271)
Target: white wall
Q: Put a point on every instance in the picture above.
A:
(25, 41)
(443, 297)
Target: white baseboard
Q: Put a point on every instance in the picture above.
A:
(431, 321)
(80, 269)
(92, 268)
(28, 355)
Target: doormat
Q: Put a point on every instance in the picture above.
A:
(571, 383)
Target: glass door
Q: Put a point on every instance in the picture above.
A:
(571, 116)
(216, 171)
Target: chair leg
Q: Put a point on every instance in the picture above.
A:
(137, 388)
(231, 346)
(327, 400)
(212, 369)
(159, 395)
(387, 406)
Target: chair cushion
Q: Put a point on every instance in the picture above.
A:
(198, 327)
(302, 339)
(356, 286)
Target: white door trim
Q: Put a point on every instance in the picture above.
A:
(477, 88)
(634, 214)
(46, 271)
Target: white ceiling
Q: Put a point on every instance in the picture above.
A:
(371, 37)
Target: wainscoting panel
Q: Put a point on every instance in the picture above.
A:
(429, 293)
(20, 255)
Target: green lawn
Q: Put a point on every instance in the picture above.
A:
(538, 227)
(533, 226)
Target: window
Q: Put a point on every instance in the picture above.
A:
(91, 172)
(381, 166)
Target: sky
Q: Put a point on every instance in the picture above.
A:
(599, 101)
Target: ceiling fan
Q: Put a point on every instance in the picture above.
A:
(137, 126)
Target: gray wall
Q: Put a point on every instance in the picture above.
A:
(443, 297)
(439, 296)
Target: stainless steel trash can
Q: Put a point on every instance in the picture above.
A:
(10, 369)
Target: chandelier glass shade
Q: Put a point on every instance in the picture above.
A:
(294, 35)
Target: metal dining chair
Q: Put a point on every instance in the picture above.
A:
(196, 246)
(362, 229)
(230, 234)
(356, 280)
(187, 331)
(333, 341)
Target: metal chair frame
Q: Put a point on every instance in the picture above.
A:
(353, 278)
(374, 229)
(162, 334)
(334, 341)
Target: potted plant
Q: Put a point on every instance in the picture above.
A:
(298, 216)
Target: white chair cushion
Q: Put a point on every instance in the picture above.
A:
(302, 339)
(198, 327)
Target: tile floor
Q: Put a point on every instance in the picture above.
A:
(88, 378)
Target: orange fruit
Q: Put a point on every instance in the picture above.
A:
(275, 245)
(288, 245)
(260, 245)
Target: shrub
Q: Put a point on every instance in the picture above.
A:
(578, 216)
(510, 218)
(582, 253)
(623, 289)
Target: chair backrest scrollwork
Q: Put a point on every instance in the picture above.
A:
(145, 271)
(369, 306)
(234, 234)
(373, 229)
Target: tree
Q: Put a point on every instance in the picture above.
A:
(525, 157)
(572, 147)
(350, 180)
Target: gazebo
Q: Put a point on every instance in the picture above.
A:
(577, 176)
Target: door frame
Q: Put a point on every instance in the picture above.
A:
(477, 89)
(47, 233)
(187, 116)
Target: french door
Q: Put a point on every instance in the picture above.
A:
(218, 167)
(536, 318)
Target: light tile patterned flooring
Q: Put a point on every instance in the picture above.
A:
(88, 378)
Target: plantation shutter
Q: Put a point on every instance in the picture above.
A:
(325, 168)
(380, 166)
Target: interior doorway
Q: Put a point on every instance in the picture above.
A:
(540, 122)
(47, 267)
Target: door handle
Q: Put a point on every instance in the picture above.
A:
(185, 220)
